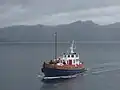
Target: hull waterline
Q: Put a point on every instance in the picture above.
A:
(51, 72)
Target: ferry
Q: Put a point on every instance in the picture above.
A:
(67, 65)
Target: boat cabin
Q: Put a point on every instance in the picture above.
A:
(70, 58)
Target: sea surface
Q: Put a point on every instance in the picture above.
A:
(20, 64)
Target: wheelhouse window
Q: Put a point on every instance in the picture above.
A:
(76, 55)
(72, 56)
(64, 55)
(68, 55)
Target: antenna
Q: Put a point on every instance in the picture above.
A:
(72, 47)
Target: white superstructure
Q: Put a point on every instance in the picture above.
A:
(70, 58)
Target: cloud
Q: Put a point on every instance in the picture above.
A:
(52, 12)
(104, 15)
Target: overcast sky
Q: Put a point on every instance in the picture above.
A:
(52, 12)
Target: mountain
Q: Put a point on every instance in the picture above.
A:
(79, 30)
(114, 25)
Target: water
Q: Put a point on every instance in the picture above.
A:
(20, 64)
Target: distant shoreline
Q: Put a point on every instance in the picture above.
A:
(61, 42)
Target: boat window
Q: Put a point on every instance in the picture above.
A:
(68, 55)
(73, 61)
(76, 55)
(64, 55)
(72, 56)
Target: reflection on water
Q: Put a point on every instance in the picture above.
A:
(66, 84)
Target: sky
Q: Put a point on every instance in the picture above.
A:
(54, 12)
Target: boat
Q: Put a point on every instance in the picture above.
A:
(67, 65)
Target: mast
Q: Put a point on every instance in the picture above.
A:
(72, 47)
(55, 45)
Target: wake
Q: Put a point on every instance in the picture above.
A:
(105, 67)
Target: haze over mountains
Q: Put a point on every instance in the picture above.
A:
(79, 30)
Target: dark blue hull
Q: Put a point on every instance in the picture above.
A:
(52, 72)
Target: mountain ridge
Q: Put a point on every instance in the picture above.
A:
(79, 30)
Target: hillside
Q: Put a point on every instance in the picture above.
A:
(81, 31)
